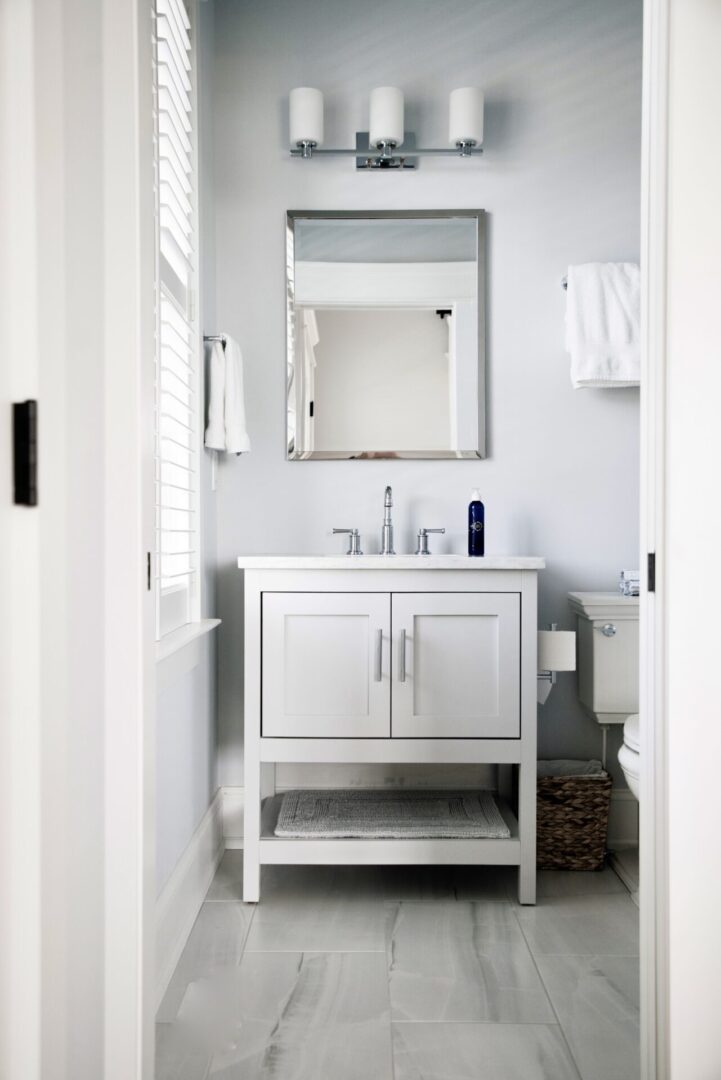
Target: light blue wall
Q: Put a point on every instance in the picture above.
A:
(186, 750)
(560, 182)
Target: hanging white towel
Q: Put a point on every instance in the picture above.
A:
(236, 432)
(603, 321)
(215, 431)
(226, 428)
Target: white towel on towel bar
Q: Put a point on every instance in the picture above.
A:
(226, 428)
(603, 324)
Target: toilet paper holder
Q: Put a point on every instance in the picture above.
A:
(556, 652)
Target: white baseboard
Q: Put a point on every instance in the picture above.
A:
(623, 819)
(232, 803)
(179, 902)
(625, 862)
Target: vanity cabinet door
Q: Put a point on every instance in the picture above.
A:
(326, 665)
(456, 665)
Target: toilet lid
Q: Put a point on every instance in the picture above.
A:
(631, 734)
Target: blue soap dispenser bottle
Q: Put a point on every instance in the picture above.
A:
(476, 525)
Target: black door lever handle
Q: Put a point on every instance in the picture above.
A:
(25, 453)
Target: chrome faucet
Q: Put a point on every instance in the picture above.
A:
(387, 537)
(422, 548)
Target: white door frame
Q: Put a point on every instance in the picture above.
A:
(653, 839)
(20, 736)
(77, 891)
(126, 357)
(129, 348)
(681, 522)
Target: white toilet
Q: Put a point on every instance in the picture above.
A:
(608, 668)
(607, 665)
(628, 755)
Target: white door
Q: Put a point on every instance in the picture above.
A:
(456, 665)
(326, 665)
(77, 889)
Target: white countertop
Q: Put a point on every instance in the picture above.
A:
(390, 562)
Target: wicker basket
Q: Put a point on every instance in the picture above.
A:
(573, 821)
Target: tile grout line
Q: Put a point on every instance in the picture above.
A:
(476, 1023)
(550, 998)
(599, 952)
(315, 952)
(211, 1056)
(243, 949)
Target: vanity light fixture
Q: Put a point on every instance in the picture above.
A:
(386, 145)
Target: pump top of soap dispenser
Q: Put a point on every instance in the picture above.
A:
(475, 495)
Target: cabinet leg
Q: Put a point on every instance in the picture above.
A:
(251, 835)
(251, 849)
(527, 832)
(526, 884)
(251, 877)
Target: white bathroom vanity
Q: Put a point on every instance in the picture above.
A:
(391, 659)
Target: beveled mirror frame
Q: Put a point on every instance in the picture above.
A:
(479, 216)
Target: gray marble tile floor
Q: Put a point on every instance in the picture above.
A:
(596, 999)
(405, 973)
(216, 942)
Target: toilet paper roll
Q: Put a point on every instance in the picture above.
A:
(556, 650)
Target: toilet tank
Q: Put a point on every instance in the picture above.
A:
(607, 654)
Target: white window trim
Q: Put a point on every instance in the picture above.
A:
(195, 592)
(182, 637)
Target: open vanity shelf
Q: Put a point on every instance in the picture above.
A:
(394, 659)
(411, 852)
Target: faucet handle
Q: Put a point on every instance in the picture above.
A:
(422, 548)
(354, 547)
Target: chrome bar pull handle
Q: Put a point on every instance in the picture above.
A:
(402, 657)
(379, 656)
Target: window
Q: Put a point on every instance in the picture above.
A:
(177, 384)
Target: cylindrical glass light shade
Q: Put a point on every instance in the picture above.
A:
(386, 115)
(306, 116)
(466, 116)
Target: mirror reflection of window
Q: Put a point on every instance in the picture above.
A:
(384, 351)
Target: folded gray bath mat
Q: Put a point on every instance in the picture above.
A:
(391, 815)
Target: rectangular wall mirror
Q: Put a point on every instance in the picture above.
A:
(386, 333)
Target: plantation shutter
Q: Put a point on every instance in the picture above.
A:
(177, 401)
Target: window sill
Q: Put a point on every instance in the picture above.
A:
(182, 637)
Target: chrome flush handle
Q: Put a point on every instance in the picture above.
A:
(608, 629)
